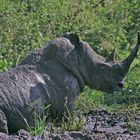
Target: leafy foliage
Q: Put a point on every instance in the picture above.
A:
(27, 25)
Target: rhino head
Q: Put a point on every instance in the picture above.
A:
(98, 72)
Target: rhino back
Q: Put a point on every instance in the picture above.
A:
(15, 86)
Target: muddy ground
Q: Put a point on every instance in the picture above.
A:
(98, 125)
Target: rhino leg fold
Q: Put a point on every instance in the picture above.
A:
(3, 123)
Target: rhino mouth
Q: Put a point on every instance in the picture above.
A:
(120, 86)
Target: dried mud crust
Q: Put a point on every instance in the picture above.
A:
(99, 125)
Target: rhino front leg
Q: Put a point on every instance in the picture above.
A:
(3, 123)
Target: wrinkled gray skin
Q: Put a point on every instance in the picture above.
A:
(55, 75)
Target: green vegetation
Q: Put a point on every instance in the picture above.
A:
(26, 25)
(72, 122)
(40, 122)
(40, 125)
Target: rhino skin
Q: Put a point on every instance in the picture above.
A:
(55, 75)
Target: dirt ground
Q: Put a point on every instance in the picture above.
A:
(98, 125)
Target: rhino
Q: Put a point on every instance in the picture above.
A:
(55, 75)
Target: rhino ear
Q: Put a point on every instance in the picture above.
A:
(111, 57)
(74, 39)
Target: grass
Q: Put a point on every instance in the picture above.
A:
(30, 24)
(89, 99)
(40, 125)
(133, 126)
(73, 122)
(40, 122)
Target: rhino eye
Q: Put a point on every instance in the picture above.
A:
(102, 68)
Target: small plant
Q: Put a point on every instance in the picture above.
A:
(71, 121)
(40, 123)
(133, 126)
(130, 117)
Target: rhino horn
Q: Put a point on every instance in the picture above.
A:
(111, 57)
(127, 62)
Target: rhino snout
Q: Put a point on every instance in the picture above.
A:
(120, 85)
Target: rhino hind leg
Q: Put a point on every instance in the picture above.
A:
(3, 123)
